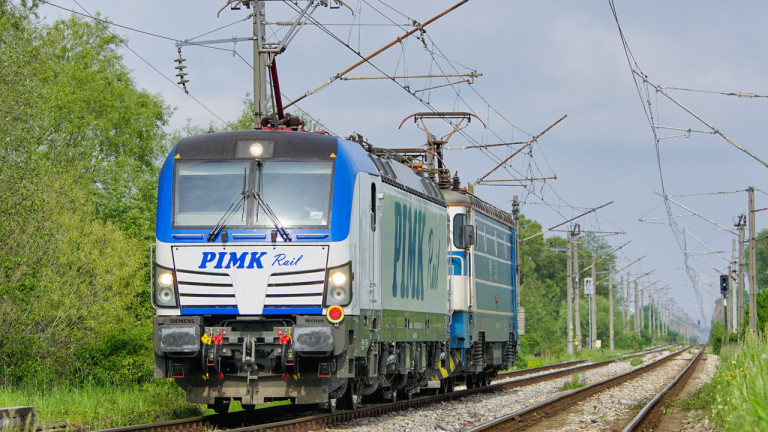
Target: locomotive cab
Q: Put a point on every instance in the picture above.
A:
(255, 276)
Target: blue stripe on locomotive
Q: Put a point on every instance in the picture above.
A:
(351, 159)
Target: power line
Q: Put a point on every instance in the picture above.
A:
(643, 91)
(106, 24)
(749, 95)
(104, 21)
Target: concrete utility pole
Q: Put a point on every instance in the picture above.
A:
(637, 314)
(642, 303)
(576, 288)
(732, 289)
(740, 269)
(569, 340)
(650, 315)
(752, 264)
(593, 308)
(625, 284)
(610, 309)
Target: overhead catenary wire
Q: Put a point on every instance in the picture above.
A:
(643, 87)
(739, 94)
(105, 24)
(545, 190)
(426, 103)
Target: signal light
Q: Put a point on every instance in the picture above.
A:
(723, 284)
(335, 314)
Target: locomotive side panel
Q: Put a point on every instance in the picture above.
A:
(414, 288)
(495, 290)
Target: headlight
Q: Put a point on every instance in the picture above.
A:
(165, 279)
(338, 278)
(164, 287)
(256, 149)
(339, 285)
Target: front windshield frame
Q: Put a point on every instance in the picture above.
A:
(255, 217)
(201, 197)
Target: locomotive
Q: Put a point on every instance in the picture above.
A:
(303, 266)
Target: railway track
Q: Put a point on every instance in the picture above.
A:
(650, 415)
(295, 418)
(646, 419)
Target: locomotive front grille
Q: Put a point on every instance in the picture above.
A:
(210, 290)
(295, 290)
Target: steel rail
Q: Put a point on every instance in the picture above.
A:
(267, 418)
(650, 415)
(527, 417)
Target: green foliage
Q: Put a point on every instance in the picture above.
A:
(719, 337)
(80, 147)
(544, 289)
(716, 336)
(636, 361)
(702, 399)
(761, 257)
(573, 383)
(740, 385)
(97, 407)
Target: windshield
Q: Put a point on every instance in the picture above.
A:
(298, 192)
(205, 190)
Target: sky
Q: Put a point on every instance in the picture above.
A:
(539, 61)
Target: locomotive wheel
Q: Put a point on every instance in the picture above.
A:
(352, 397)
(220, 405)
(450, 384)
(470, 381)
(393, 396)
(443, 386)
(329, 406)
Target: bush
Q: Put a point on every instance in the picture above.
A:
(716, 337)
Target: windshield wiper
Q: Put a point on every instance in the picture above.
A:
(267, 209)
(275, 221)
(236, 204)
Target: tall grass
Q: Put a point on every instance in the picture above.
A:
(741, 385)
(99, 407)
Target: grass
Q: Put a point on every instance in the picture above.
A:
(701, 399)
(740, 386)
(526, 361)
(96, 407)
(635, 361)
(638, 405)
(573, 383)
(101, 407)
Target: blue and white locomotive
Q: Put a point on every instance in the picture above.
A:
(302, 266)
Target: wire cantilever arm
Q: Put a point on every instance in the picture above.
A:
(697, 117)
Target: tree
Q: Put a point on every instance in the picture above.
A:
(79, 152)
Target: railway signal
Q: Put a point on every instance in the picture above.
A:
(723, 284)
